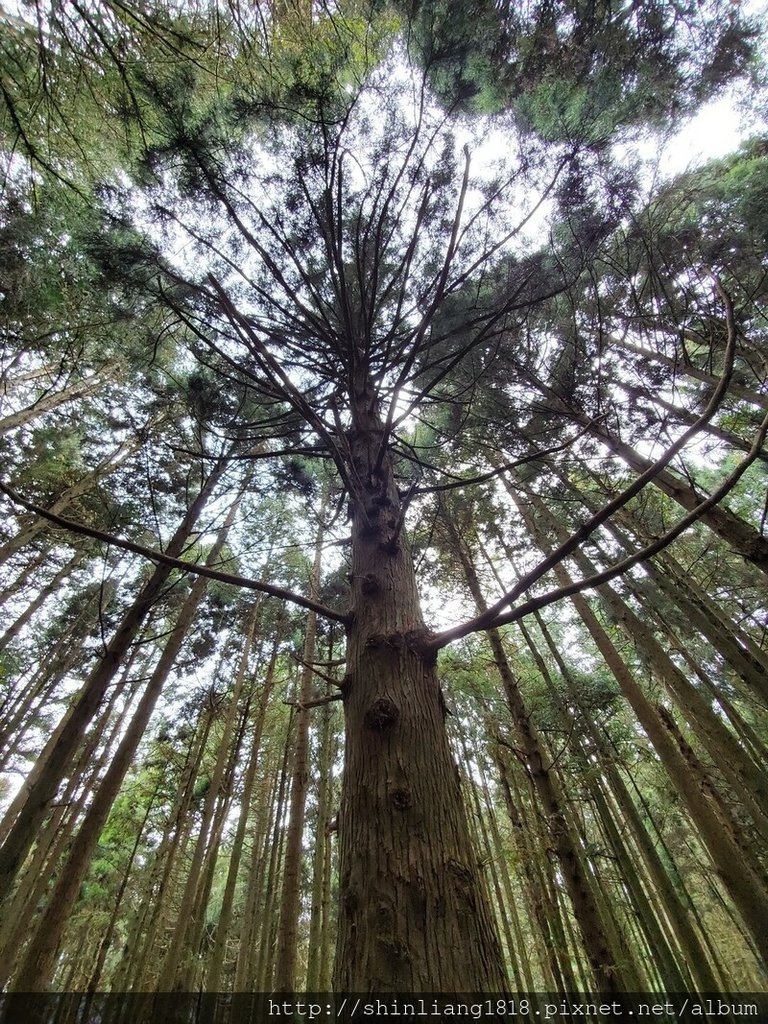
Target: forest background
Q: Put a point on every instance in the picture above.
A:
(384, 491)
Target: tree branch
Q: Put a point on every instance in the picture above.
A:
(484, 477)
(535, 603)
(316, 702)
(492, 616)
(177, 563)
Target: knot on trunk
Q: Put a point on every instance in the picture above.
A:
(401, 799)
(396, 948)
(382, 714)
(418, 641)
(460, 871)
(370, 584)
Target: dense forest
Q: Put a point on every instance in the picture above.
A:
(383, 539)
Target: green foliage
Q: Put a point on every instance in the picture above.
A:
(580, 71)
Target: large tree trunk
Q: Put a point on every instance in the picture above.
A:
(413, 915)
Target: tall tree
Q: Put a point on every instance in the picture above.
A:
(366, 290)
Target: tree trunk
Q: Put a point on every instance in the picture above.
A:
(39, 960)
(745, 778)
(270, 804)
(108, 936)
(269, 879)
(228, 901)
(412, 912)
(55, 757)
(683, 366)
(55, 399)
(744, 887)
(693, 952)
(173, 969)
(683, 416)
(288, 926)
(506, 910)
(174, 856)
(734, 531)
(319, 903)
(546, 909)
(42, 595)
(602, 958)
(65, 499)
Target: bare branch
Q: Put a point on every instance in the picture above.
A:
(316, 702)
(492, 616)
(176, 563)
(536, 603)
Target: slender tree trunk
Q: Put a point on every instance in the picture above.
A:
(683, 416)
(693, 952)
(734, 531)
(65, 499)
(55, 399)
(538, 924)
(327, 910)
(602, 957)
(259, 832)
(33, 563)
(288, 926)
(42, 595)
(179, 947)
(107, 937)
(744, 887)
(57, 754)
(175, 840)
(228, 901)
(265, 963)
(745, 778)
(684, 366)
(544, 912)
(189, 976)
(702, 613)
(506, 911)
(81, 759)
(319, 896)
(39, 960)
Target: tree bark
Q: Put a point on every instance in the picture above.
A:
(412, 912)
